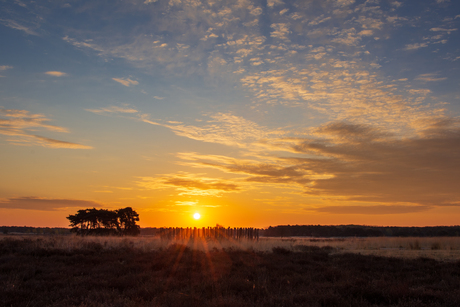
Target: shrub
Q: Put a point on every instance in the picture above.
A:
(436, 246)
(415, 245)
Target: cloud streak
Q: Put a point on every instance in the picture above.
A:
(46, 204)
(56, 73)
(372, 210)
(113, 110)
(20, 126)
(126, 82)
(5, 67)
(190, 184)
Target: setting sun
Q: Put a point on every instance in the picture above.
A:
(196, 216)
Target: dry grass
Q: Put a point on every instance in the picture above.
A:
(438, 248)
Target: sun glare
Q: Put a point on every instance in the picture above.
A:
(196, 216)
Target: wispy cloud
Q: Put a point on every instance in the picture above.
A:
(271, 3)
(113, 110)
(17, 26)
(186, 203)
(372, 210)
(443, 30)
(415, 46)
(190, 184)
(125, 81)
(430, 77)
(20, 127)
(45, 204)
(52, 143)
(221, 128)
(56, 73)
(5, 67)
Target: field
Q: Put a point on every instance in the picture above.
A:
(146, 271)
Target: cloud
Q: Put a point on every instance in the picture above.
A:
(345, 2)
(272, 3)
(159, 98)
(369, 164)
(429, 78)
(348, 162)
(113, 110)
(15, 25)
(126, 82)
(443, 30)
(52, 143)
(347, 37)
(45, 204)
(20, 127)
(190, 184)
(372, 210)
(272, 171)
(280, 30)
(14, 119)
(4, 67)
(366, 33)
(221, 128)
(415, 46)
(84, 44)
(56, 73)
(186, 203)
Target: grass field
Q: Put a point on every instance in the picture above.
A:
(144, 271)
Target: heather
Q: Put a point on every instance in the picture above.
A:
(106, 271)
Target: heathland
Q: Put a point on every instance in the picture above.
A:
(148, 271)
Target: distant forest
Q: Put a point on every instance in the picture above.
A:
(360, 231)
(287, 231)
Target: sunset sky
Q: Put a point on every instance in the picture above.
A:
(251, 113)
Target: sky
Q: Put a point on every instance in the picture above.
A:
(251, 113)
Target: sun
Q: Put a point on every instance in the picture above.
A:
(196, 216)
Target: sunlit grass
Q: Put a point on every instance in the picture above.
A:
(439, 248)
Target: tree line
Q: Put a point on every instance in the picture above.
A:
(105, 222)
(218, 232)
(360, 231)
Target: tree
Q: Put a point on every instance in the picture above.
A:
(128, 218)
(105, 222)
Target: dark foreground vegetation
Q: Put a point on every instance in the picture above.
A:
(36, 274)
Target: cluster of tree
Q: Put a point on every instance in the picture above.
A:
(105, 222)
(360, 231)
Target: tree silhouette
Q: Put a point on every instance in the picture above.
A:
(105, 222)
(128, 218)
